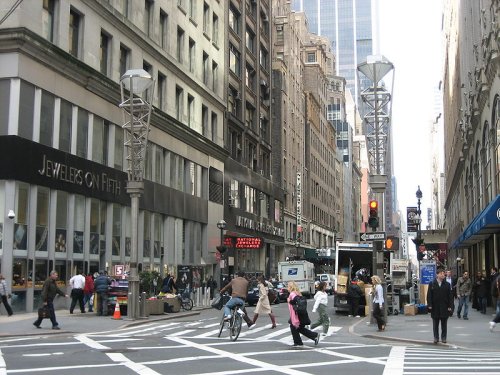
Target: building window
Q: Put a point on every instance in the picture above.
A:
(250, 200)
(250, 40)
(252, 156)
(179, 96)
(205, 68)
(118, 157)
(75, 21)
(250, 116)
(263, 58)
(250, 77)
(162, 91)
(214, 76)
(79, 222)
(234, 194)
(163, 29)
(124, 59)
(264, 128)
(104, 51)
(117, 229)
(61, 221)
(47, 118)
(190, 109)
(204, 121)
(206, 18)
(192, 9)
(148, 13)
(180, 44)
(65, 123)
(48, 17)
(42, 219)
(159, 175)
(215, 29)
(26, 110)
(234, 60)
(192, 55)
(100, 140)
(214, 127)
(82, 132)
(234, 20)
(311, 57)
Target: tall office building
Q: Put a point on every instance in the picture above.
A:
(351, 26)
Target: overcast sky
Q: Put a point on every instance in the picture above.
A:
(410, 37)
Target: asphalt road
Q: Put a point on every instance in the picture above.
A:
(190, 346)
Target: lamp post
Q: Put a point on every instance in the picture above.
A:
(221, 224)
(136, 115)
(418, 241)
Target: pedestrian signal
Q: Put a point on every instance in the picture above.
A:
(392, 243)
(373, 216)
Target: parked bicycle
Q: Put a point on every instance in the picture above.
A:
(185, 300)
(234, 322)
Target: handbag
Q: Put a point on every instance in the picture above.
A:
(44, 312)
(219, 302)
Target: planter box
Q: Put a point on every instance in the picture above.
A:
(172, 305)
(154, 307)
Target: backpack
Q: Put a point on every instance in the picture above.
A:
(300, 304)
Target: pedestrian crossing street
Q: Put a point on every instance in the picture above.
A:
(209, 328)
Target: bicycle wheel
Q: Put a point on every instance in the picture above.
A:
(221, 327)
(187, 303)
(235, 327)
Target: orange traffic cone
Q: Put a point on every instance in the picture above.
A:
(117, 315)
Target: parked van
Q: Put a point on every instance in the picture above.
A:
(329, 279)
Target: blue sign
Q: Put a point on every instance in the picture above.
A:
(427, 271)
(293, 271)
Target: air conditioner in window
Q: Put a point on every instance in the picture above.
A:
(279, 27)
(261, 172)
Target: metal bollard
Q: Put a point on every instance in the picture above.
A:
(142, 306)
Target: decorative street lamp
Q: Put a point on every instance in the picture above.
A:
(221, 224)
(418, 241)
(136, 115)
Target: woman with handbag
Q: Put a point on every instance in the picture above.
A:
(263, 305)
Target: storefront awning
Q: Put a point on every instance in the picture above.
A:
(483, 225)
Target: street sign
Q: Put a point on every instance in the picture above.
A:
(373, 236)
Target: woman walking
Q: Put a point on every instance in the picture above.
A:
(298, 316)
(378, 302)
(263, 305)
(320, 304)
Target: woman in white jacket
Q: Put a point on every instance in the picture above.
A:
(263, 305)
(320, 305)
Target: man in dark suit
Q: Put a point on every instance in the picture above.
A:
(440, 304)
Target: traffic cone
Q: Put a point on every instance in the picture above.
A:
(117, 315)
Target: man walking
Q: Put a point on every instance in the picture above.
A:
(464, 288)
(440, 303)
(495, 300)
(77, 283)
(4, 295)
(49, 292)
(101, 286)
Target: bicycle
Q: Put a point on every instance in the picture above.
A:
(234, 322)
(185, 300)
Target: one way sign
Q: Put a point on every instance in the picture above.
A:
(372, 236)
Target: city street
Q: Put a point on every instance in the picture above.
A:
(189, 345)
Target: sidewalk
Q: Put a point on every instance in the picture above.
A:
(22, 324)
(472, 334)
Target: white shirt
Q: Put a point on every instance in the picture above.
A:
(77, 282)
(320, 297)
(378, 296)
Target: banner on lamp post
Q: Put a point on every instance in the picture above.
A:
(411, 219)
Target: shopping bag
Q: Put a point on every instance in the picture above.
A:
(44, 312)
(217, 303)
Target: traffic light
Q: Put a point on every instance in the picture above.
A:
(392, 243)
(221, 249)
(373, 217)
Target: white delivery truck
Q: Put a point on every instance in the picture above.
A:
(299, 271)
(350, 258)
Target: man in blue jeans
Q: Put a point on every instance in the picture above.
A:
(239, 291)
(49, 292)
(464, 287)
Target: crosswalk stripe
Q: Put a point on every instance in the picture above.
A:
(180, 333)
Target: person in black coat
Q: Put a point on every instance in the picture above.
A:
(354, 295)
(440, 304)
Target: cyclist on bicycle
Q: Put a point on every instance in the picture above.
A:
(239, 290)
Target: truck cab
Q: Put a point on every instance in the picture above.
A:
(299, 271)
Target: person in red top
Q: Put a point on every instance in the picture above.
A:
(88, 291)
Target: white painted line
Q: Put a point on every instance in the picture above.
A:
(258, 365)
(136, 367)
(3, 366)
(89, 342)
(43, 354)
(396, 361)
(214, 332)
(180, 333)
(278, 332)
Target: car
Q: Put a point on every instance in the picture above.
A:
(252, 296)
(282, 289)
